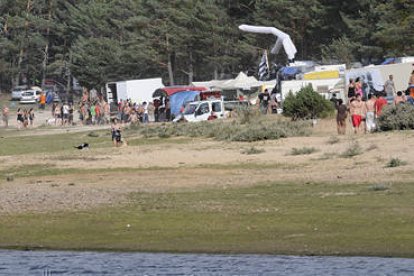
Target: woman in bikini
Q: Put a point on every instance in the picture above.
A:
(20, 119)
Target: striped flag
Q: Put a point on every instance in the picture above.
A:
(263, 67)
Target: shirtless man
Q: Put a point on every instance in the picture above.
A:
(5, 114)
(370, 109)
(356, 108)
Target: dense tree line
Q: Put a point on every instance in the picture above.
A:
(184, 40)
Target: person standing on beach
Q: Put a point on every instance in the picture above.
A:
(379, 104)
(342, 114)
(31, 117)
(356, 109)
(116, 133)
(20, 119)
(389, 86)
(5, 116)
(370, 116)
(264, 99)
(42, 101)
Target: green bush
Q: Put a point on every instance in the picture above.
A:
(397, 117)
(306, 104)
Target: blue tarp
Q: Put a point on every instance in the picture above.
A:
(289, 71)
(388, 61)
(178, 99)
(49, 98)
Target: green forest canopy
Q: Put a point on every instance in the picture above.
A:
(183, 40)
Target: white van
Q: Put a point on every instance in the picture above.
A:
(202, 110)
(30, 96)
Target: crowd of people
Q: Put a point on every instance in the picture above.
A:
(269, 103)
(361, 109)
(365, 109)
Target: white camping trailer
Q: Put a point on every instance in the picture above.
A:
(137, 90)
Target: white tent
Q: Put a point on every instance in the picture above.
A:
(242, 82)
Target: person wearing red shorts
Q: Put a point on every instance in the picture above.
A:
(356, 107)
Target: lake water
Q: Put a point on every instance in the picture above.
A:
(49, 263)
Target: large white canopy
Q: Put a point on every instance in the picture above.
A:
(283, 39)
(242, 81)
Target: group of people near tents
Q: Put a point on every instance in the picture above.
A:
(365, 109)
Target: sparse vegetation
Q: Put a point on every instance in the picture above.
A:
(252, 150)
(257, 130)
(395, 162)
(302, 151)
(372, 147)
(333, 140)
(327, 156)
(379, 187)
(354, 149)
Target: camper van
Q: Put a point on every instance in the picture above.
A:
(202, 110)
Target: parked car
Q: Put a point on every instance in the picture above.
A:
(202, 110)
(17, 92)
(30, 96)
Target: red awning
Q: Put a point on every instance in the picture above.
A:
(168, 91)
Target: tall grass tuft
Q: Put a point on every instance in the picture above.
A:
(395, 162)
(252, 150)
(354, 149)
(302, 151)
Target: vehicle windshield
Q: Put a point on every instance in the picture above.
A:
(190, 109)
(28, 93)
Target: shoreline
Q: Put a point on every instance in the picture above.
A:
(213, 253)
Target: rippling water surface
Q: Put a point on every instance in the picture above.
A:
(90, 263)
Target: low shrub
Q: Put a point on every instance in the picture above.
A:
(398, 117)
(257, 130)
(395, 162)
(378, 187)
(302, 151)
(333, 140)
(93, 134)
(252, 150)
(354, 149)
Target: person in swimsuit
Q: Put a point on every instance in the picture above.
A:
(20, 119)
(342, 114)
(116, 133)
(357, 110)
